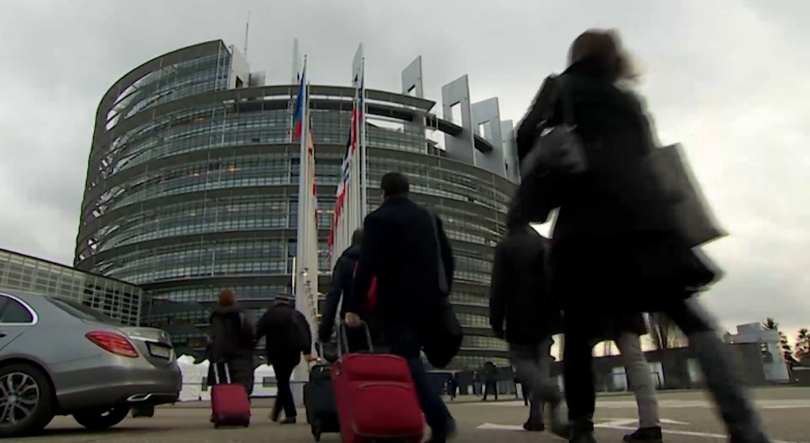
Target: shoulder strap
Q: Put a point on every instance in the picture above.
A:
(442, 272)
(566, 98)
(547, 263)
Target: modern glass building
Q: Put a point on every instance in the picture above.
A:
(192, 185)
(114, 298)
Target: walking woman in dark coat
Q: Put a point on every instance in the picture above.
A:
(617, 249)
(231, 342)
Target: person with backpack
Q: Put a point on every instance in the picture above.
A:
(231, 341)
(287, 337)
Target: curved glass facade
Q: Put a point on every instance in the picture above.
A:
(191, 191)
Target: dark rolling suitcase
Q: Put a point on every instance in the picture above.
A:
(319, 401)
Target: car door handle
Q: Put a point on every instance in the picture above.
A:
(2, 334)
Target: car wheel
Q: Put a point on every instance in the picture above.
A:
(26, 400)
(101, 419)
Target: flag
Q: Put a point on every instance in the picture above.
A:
(298, 114)
(349, 195)
(340, 195)
(306, 272)
(311, 154)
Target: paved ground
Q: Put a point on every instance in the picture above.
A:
(688, 417)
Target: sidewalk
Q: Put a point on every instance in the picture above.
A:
(267, 402)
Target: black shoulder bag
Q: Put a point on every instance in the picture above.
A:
(443, 328)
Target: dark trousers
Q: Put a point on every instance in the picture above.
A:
(491, 387)
(525, 391)
(404, 341)
(284, 397)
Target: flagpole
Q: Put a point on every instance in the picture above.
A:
(355, 169)
(314, 247)
(357, 161)
(364, 148)
(302, 233)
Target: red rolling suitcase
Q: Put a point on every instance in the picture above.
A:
(230, 404)
(375, 397)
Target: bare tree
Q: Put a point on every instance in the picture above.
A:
(802, 345)
(664, 333)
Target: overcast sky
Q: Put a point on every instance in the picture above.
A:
(728, 78)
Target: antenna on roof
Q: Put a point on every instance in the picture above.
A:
(247, 29)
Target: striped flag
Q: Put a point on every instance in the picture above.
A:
(348, 214)
(340, 196)
(306, 262)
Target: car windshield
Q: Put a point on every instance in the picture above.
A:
(82, 312)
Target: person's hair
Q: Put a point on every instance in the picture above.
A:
(226, 298)
(283, 298)
(394, 183)
(604, 45)
(357, 237)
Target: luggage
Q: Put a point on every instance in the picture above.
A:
(375, 396)
(444, 328)
(230, 405)
(319, 401)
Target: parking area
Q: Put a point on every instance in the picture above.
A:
(687, 417)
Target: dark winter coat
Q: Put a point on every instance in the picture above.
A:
(400, 248)
(519, 290)
(616, 249)
(231, 344)
(490, 372)
(287, 333)
(342, 278)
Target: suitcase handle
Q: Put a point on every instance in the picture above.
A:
(227, 374)
(343, 339)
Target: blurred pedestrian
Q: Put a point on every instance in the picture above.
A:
(490, 380)
(519, 297)
(626, 332)
(452, 385)
(618, 247)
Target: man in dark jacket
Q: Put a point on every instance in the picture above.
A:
(402, 245)
(342, 279)
(519, 295)
(287, 337)
(490, 380)
(342, 282)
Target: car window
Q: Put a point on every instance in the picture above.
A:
(14, 312)
(82, 312)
